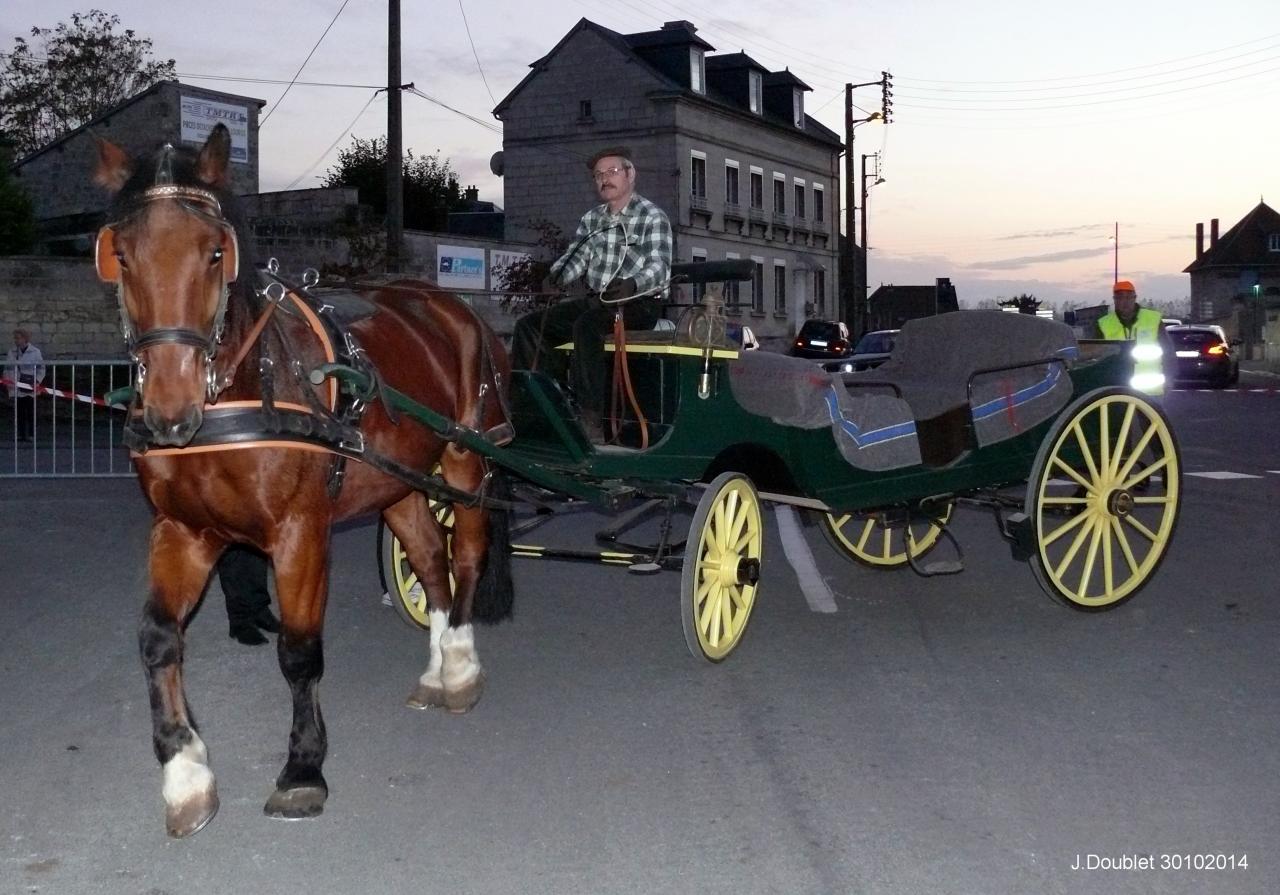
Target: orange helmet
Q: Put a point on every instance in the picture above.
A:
(1122, 286)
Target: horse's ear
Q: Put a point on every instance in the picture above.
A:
(211, 164)
(114, 166)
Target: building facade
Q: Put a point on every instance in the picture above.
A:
(58, 177)
(1235, 280)
(720, 143)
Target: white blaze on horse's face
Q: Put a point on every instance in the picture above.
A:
(172, 278)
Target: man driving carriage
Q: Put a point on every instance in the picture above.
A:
(622, 248)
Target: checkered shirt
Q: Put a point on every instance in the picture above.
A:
(636, 242)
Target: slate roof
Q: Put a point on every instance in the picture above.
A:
(1245, 244)
(627, 44)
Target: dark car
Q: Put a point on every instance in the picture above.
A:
(822, 340)
(1201, 352)
(872, 350)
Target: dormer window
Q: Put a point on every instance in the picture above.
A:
(756, 84)
(697, 70)
(1273, 242)
(797, 108)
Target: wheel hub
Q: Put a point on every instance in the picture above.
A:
(1120, 503)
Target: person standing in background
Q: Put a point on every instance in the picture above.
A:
(24, 370)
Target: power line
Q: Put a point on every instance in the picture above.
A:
(237, 78)
(474, 53)
(303, 65)
(325, 154)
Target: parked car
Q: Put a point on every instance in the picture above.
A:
(1201, 352)
(871, 351)
(822, 340)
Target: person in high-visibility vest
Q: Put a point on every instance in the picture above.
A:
(1142, 326)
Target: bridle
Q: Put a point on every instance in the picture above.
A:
(196, 201)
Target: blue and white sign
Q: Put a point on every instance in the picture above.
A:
(200, 116)
(460, 267)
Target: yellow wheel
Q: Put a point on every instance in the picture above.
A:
(1103, 498)
(398, 578)
(872, 540)
(721, 567)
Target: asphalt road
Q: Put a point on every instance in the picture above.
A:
(949, 735)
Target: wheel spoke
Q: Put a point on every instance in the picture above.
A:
(1123, 540)
(1085, 450)
(726, 612)
(1122, 438)
(866, 533)
(1063, 501)
(1058, 461)
(1108, 578)
(1104, 440)
(710, 611)
(1153, 500)
(1123, 471)
(1064, 528)
(886, 544)
(1075, 546)
(1089, 559)
(1146, 532)
(1149, 471)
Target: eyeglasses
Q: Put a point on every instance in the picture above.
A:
(598, 176)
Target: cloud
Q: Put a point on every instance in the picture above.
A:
(1045, 258)
(1050, 234)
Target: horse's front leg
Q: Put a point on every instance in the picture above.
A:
(301, 560)
(180, 564)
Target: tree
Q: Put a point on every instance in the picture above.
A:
(431, 188)
(523, 278)
(1025, 303)
(17, 214)
(68, 75)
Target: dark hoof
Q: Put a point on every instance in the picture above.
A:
(192, 816)
(247, 633)
(297, 803)
(464, 700)
(424, 697)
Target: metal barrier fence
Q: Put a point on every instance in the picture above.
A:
(61, 426)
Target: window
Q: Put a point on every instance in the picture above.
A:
(820, 292)
(779, 287)
(730, 182)
(698, 174)
(819, 203)
(697, 70)
(732, 294)
(757, 188)
(757, 286)
(779, 194)
(798, 209)
(797, 108)
(1273, 242)
(584, 108)
(698, 256)
(755, 82)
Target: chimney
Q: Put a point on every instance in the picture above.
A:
(471, 194)
(1213, 232)
(1199, 240)
(679, 25)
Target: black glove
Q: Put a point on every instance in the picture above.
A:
(620, 289)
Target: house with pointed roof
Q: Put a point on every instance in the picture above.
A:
(1235, 280)
(720, 142)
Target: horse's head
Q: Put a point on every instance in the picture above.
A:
(172, 256)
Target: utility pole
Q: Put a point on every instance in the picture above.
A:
(395, 154)
(866, 287)
(852, 286)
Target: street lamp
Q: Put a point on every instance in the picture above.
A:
(1115, 273)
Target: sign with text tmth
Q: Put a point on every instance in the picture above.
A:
(200, 116)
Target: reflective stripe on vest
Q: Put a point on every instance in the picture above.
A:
(1148, 372)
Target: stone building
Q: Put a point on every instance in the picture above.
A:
(1235, 280)
(69, 206)
(891, 306)
(720, 143)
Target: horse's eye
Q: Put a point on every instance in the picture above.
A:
(217, 256)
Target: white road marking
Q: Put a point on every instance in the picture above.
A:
(796, 548)
(1224, 475)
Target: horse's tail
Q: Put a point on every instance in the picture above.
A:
(495, 594)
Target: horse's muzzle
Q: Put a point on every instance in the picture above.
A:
(173, 432)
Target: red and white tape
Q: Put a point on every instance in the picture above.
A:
(59, 393)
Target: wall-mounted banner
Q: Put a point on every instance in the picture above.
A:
(460, 267)
(499, 259)
(200, 116)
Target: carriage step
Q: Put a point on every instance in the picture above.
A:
(940, 566)
(949, 567)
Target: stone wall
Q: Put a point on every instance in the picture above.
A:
(60, 300)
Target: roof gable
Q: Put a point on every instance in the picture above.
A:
(1244, 245)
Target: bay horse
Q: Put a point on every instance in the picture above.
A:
(205, 345)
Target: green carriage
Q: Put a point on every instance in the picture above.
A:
(1082, 473)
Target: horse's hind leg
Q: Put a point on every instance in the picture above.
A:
(424, 544)
(180, 564)
(301, 566)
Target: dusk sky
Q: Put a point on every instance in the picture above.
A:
(1022, 133)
